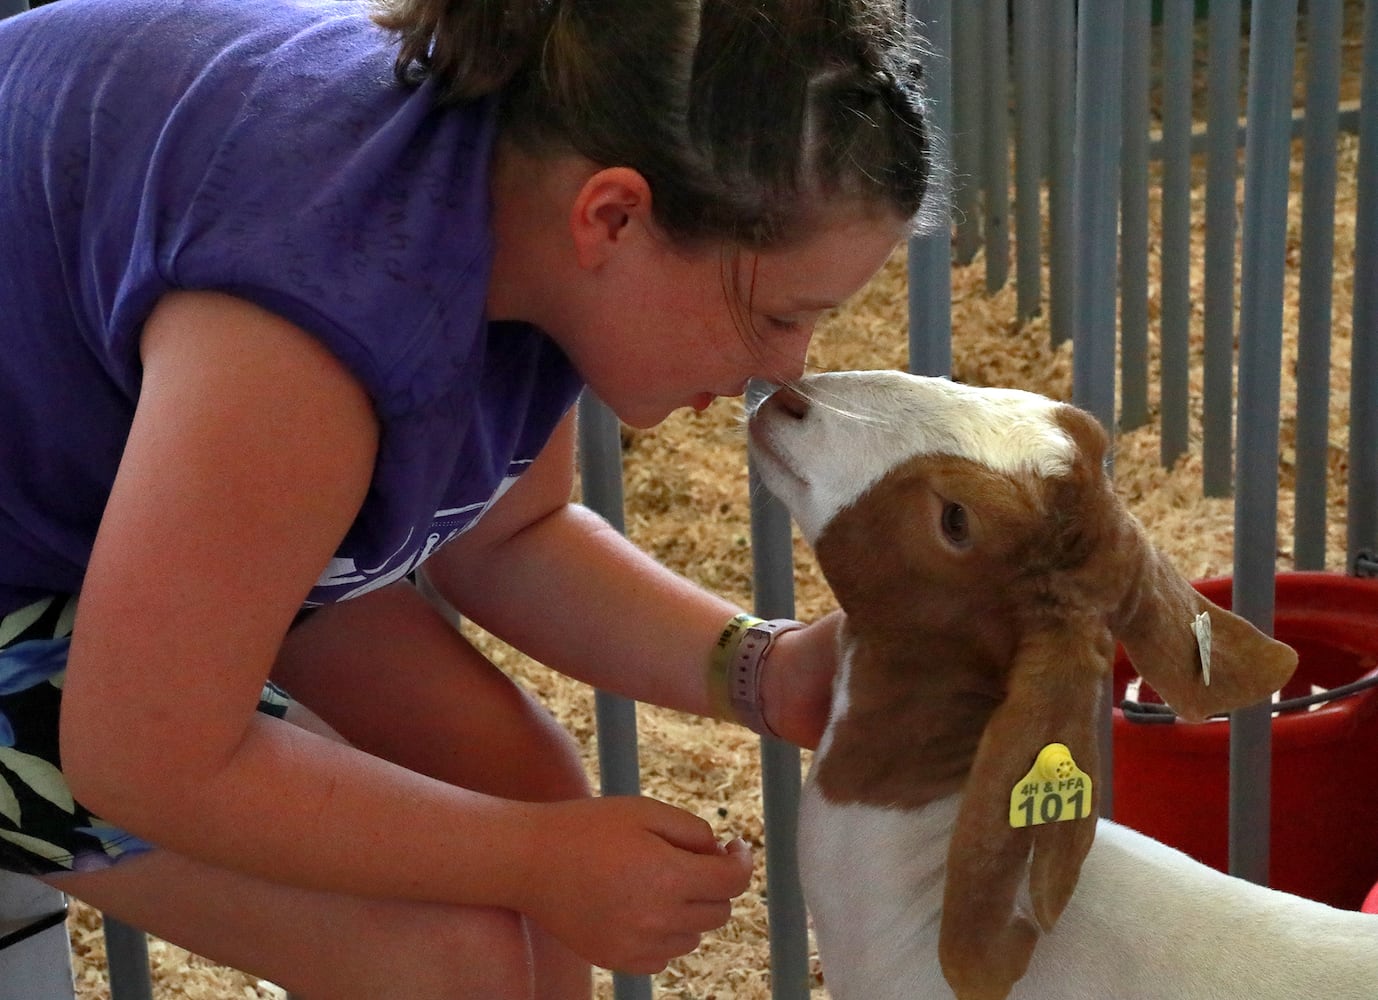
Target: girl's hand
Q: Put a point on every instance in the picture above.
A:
(629, 883)
(798, 678)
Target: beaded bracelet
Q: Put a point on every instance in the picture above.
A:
(734, 670)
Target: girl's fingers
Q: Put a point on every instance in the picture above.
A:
(683, 830)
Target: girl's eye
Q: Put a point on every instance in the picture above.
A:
(782, 323)
(955, 525)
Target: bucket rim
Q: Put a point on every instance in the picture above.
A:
(1298, 595)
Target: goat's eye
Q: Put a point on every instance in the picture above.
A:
(955, 525)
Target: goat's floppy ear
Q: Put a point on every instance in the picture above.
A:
(988, 931)
(1155, 624)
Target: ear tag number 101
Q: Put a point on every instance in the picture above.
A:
(1053, 791)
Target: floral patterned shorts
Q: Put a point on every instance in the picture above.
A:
(43, 830)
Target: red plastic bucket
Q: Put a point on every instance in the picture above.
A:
(1371, 903)
(1172, 781)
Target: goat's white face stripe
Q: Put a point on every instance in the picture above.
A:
(860, 425)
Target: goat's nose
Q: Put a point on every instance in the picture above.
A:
(791, 400)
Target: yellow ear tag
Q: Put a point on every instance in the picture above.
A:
(1055, 789)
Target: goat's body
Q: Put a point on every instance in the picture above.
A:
(1147, 922)
(873, 879)
(986, 569)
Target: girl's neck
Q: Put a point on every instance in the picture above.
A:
(533, 259)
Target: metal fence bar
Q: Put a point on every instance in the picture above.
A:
(36, 960)
(1138, 29)
(1100, 44)
(1324, 30)
(1222, 118)
(1175, 324)
(930, 254)
(966, 135)
(600, 462)
(1272, 52)
(995, 147)
(773, 583)
(1348, 122)
(1031, 150)
(1062, 31)
(126, 952)
(1363, 409)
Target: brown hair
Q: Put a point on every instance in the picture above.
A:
(742, 115)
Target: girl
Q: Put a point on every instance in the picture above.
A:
(297, 299)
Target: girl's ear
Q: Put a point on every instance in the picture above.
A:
(608, 202)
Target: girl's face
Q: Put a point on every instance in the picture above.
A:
(684, 329)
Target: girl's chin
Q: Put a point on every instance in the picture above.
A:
(648, 415)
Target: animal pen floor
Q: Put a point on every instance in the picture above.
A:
(686, 490)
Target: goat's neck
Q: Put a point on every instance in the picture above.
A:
(876, 819)
(908, 713)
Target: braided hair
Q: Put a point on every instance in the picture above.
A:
(746, 117)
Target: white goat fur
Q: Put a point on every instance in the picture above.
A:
(1145, 921)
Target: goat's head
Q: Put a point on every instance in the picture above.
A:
(981, 523)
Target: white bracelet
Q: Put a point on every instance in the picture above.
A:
(737, 661)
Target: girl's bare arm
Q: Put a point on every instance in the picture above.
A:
(249, 456)
(559, 583)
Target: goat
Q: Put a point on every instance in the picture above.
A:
(985, 569)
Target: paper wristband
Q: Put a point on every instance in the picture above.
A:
(734, 672)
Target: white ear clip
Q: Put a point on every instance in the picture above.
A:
(1201, 625)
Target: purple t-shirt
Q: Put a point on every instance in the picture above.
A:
(260, 148)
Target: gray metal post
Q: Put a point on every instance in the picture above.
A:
(1138, 32)
(1363, 407)
(1100, 43)
(1218, 296)
(995, 148)
(126, 952)
(1031, 149)
(1175, 324)
(967, 86)
(773, 582)
(1062, 32)
(930, 255)
(1324, 30)
(600, 461)
(1272, 43)
(36, 964)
